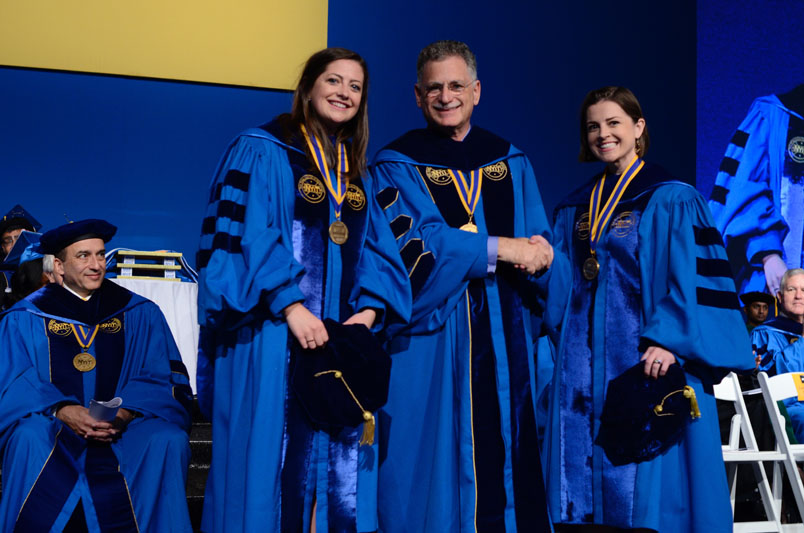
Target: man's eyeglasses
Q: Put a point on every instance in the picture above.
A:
(455, 87)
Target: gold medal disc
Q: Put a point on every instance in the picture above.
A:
(470, 227)
(84, 362)
(590, 268)
(338, 232)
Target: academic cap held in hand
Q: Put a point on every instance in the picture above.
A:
(17, 218)
(343, 383)
(57, 239)
(643, 417)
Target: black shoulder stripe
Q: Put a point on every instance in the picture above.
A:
(179, 368)
(713, 268)
(719, 194)
(740, 138)
(707, 236)
(401, 225)
(231, 210)
(221, 241)
(719, 299)
(729, 166)
(410, 253)
(208, 226)
(421, 271)
(387, 197)
(238, 180)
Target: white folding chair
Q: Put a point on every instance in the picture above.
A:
(733, 455)
(775, 389)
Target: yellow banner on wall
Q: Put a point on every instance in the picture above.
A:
(258, 43)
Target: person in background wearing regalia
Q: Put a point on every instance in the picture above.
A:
(756, 306)
(12, 225)
(649, 282)
(290, 239)
(64, 346)
(458, 439)
(758, 197)
(778, 342)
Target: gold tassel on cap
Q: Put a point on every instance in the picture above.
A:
(368, 429)
(689, 392)
(368, 417)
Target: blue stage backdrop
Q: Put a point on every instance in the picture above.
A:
(141, 152)
(746, 49)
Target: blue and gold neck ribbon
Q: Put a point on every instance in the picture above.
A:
(337, 190)
(84, 338)
(599, 218)
(468, 191)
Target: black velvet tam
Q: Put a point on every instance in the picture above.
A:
(364, 367)
(632, 428)
(57, 239)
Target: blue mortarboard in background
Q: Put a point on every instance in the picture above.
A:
(343, 383)
(57, 239)
(18, 217)
(642, 417)
(27, 240)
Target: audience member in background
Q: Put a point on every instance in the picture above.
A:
(28, 278)
(289, 240)
(756, 306)
(63, 346)
(13, 223)
(778, 343)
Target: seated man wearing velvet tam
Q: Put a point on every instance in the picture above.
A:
(63, 346)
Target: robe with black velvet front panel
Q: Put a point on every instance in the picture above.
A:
(265, 244)
(459, 450)
(664, 281)
(136, 482)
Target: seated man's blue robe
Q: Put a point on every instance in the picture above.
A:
(778, 343)
(459, 448)
(759, 190)
(264, 246)
(664, 281)
(136, 483)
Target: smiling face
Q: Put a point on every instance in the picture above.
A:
(791, 297)
(337, 93)
(447, 95)
(612, 134)
(82, 265)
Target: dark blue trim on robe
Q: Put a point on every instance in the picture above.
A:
(719, 299)
(54, 484)
(729, 166)
(479, 148)
(740, 138)
(707, 236)
(110, 495)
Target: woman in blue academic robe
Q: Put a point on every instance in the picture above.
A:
(288, 241)
(649, 282)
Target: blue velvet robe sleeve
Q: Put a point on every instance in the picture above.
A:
(244, 262)
(457, 255)
(777, 352)
(682, 251)
(22, 391)
(744, 201)
(381, 280)
(153, 380)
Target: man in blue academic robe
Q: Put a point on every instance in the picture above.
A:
(64, 346)
(759, 192)
(777, 343)
(458, 446)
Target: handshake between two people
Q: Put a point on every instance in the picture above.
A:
(531, 255)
